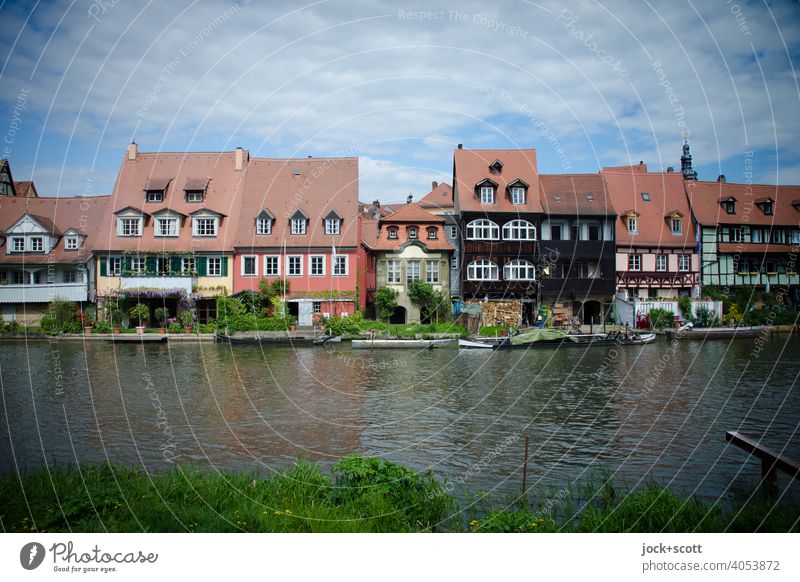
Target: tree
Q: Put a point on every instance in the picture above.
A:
(140, 312)
(385, 302)
(431, 302)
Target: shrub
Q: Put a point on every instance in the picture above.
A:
(74, 325)
(175, 327)
(48, 324)
(431, 302)
(385, 302)
(117, 318)
(705, 317)
(734, 316)
(102, 327)
(685, 303)
(350, 325)
(661, 318)
(141, 313)
(161, 313)
(187, 318)
(62, 312)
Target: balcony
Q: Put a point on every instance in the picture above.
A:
(564, 250)
(43, 293)
(500, 289)
(574, 288)
(158, 282)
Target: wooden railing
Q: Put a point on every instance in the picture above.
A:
(771, 461)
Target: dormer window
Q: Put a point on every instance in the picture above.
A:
(496, 167)
(412, 232)
(264, 222)
(487, 195)
(129, 226)
(194, 196)
(646, 196)
(518, 195)
(632, 224)
(333, 223)
(677, 225)
(729, 205)
(392, 232)
(71, 243)
(432, 233)
(37, 244)
(205, 226)
(18, 245)
(167, 226)
(155, 196)
(298, 222)
(766, 205)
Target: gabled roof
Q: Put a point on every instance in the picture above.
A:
(440, 196)
(471, 167)
(705, 198)
(332, 216)
(206, 210)
(157, 184)
(518, 181)
(168, 211)
(265, 214)
(412, 213)
(575, 195)
(67, 215)
(133, 208)
(26, 189)
(298, 215)
(487, 180)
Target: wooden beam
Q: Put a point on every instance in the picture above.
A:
(771, 461)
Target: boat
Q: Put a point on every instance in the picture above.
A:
(258, 339)
(326, 340)
(419, 344)
(482, 343)
(137, 338)
(557, 338)
(688, 331)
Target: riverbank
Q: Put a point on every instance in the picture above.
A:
(359, 494)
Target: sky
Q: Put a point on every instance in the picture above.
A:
(400, 85)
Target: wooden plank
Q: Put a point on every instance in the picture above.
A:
(770, 460)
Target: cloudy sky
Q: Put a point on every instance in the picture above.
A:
(400, 85)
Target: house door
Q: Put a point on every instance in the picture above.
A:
(305, 313)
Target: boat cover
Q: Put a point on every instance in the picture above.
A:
(541, 335)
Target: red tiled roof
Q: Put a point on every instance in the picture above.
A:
(575, 194)
(472, 167)
(26, 189)
(705, 198)
(314, 186)
(57, 215)
(440, 196)
(412, 215)
(666, 194)
(369, 232)
(173, 170)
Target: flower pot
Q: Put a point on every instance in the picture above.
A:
(292, 328)
(139, 329)
(116, 330)
(187, 330)
(87, 329)
(162, 330)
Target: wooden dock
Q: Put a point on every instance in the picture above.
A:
(771, 461)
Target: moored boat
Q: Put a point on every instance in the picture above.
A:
(710, 333)
(401, 343)
(482, 343)
(276, 340)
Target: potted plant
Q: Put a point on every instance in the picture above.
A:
(175, 327)
(141, 313)
(102, 327)
(161, 313)
(187, 319)
(117, 318)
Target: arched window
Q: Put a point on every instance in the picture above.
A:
(482, 270)
(519, 270)
(519, 230)
(483, 229)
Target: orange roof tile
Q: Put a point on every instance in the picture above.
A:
(440, 196)
(705, 198)
(575, 194)
(471, 167)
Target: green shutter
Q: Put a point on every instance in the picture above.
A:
(225, 266)
(175, 265)
(150, 264)
(200, 265)
(127, 264)
(103, 267)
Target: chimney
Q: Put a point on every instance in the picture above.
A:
(434, 185)
(721, 179)
(670, 169)
(376, 203)
(461, 146)
(133, 151)
(239, 159)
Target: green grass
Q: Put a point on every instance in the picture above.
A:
(357, 495)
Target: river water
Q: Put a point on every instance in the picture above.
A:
(657, 411)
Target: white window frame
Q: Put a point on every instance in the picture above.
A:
(71, 243)
(487, 194)
(483, 270)
(679, 223)
(634, 262)
(321, 260)
(138, 265)
(154, 196)
(188, 265)
(290, 259)
(190, 195)
(211, 269)
(633, 225)
(483, 229)
(413, 232)
(518, 195)
(684, 263)
(736, 234)
(332, 226)
(432, 272)
(392, 233)
(514, 230)
(255, 265)
(519, 270)
(452, 231)
(336, 262)
(393, 271)
(33, 244)
(114, 266)
(17, 244)
(298, 226)
(170, 232)
(263, 226)
(662, 262)
(432, 233)
(123, 221)
(196, 221)
(415, 274)
(276, 260)
(757, 235)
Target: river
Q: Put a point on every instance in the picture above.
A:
(657, 411)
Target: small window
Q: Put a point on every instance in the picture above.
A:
(432, 233)
(633, 225)
(205, 227)
(767, 207)
(661, 262)
(155, 195)
(594, 232)
(730, 206)
(412, 232)
(340, 266)
(115, 266)
(483, 229)
(317, 265)
(18, 245)
(736, 234)
(71, 243)
(264, 226)
(634, 262)
(272, 266)
(17, 278)
(130, 227)
(37, 244)
(392, 232)
(517, 195)
(412, 272)
(487, 195)
(452, 232)
(393, 271)
(556, 232)
(646, 196)
(519, 230)
(294, 266)
(482, 270)
(166, 227)
(137, 265)
(684, 262)
(194, 196)
(215, 266)
(317, 307)
(519, 270)
(432, 272)
(757, 235)
(332, 226)
(188, 266)
(72, 276)
(249, 266)
(298, 226)
(677, 226)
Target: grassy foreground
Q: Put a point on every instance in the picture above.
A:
(358, 495)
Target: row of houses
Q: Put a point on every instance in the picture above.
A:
(181, 229)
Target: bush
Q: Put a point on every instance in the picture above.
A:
(141, 313)
(705, 317)
(62, 312)
(117, 318)
(685, 303)
(162, 314)
(372, 482)
(48, 324)
(175, 327)
(385, 302)
(101, 327)
(661, 318)
(350, 325)
(187, 318)
(73, 326)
